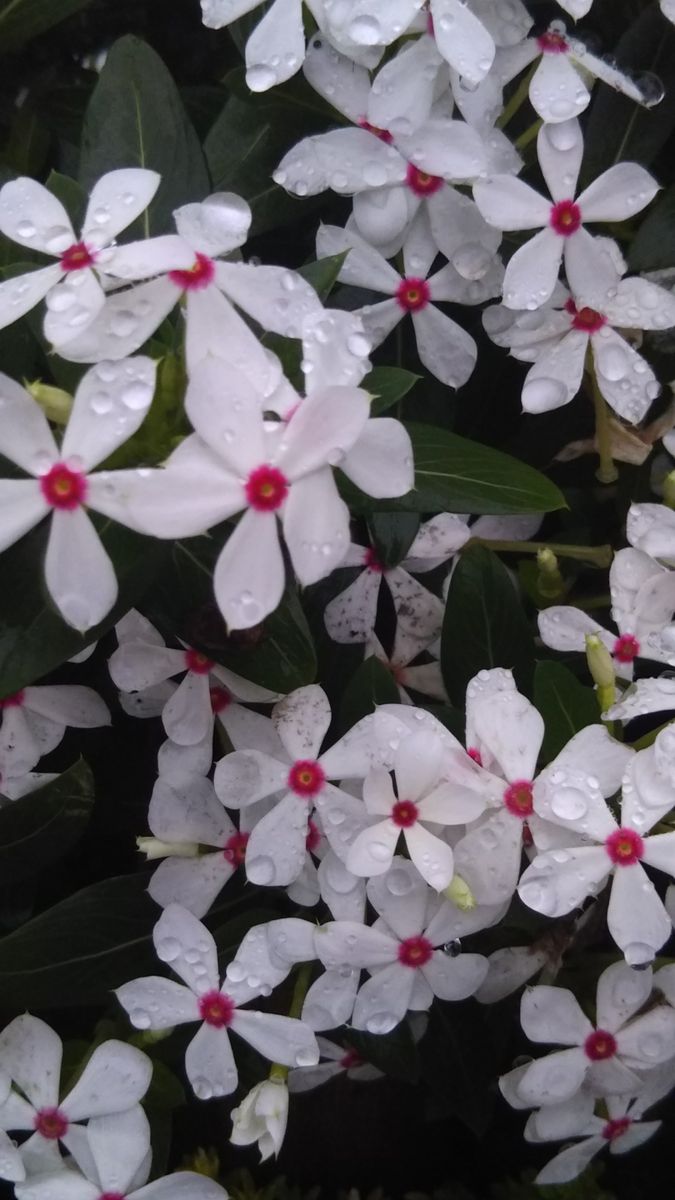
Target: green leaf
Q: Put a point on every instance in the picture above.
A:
(459, 1064)
(136, 118)
(71, 194)
(278, 654)
(654, 244)
(42, 826)
(323, 273)
(484, 624)
(388, 385)
(78, 951)
(21, 20)
(393, 535)
(453, 474)
(243, 147)
(564, 703)
(33, 637)
(165, 424)
(371, 685)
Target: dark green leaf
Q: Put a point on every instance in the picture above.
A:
(323, 274)
(453, 474)
(42, 826)
(21, 20)
(278, 654)
(392, 535)
(564, 703)
(484, 624)
(72, 196)
(78, 951)
(457, 1064)
(33, 637)
(654, 244)
(243, 147)
(388, 385)
(135, 118)
(371, 685)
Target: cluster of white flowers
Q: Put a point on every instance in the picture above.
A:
(405, 840)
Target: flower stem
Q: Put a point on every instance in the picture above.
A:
(529, 134)
(517, 99)
(600, 556)
(279, 1072)
(606, 472)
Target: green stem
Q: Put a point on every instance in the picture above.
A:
(529, 135)
(606, 472)
(279, 1072)
(600, 556)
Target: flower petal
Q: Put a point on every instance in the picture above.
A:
(557, 92)
(619, 193)
(279, 1039)
(446, 349)
(115, 1077)
(209, 1063)
(22, 506)
(532, 272)
(383, 1001)
(71, 306)
(560, 148)
(249, 577)
(554, 886)
(181, 940)
(276, 47)
(276, 847)
(316, 526)
(380, 461)
(111, 402)
(79, 575)
(278, 299)
(20, 293)
(32, 216)
(226, 411)
(31, 1054)
(116, 199)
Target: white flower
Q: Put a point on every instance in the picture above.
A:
(33, 217)
(606, 1056)
(350, 616)
(400, 953)
(444, 347)
(157, 1003)
(111, 401)
(423, 796)
(508, 203)
(113, 1159)
(559, 880)
(271, 469)
(651, 528)
(114, 1079)
(643, 603)
(557, 89)
(466, 33)
(340, 1060)
(621, 1130)
(560, 339)
(668, 9)
(261, 1117)
(35, 719)
(207, 690)
(298, 775)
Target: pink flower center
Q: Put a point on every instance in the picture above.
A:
(476, 755)
(198, 276)
(112, 1196)
(51, 1123)
(372, 562)
(234, 849)
(528, 840)
(553, 43)
(306, 777)
(63, 488)
(13, 701)
(216, 1009)
(404, 814)
(565, 217)
(588, 320)
(77, 257)
(518, 798)
(220, 699)
(350, 1059)
(625, 847)
(266, 489)
(313, 838)
(198, 663)
(415, 952)
(600, 1045)
(616, 1128)
(626, 648)
(421, 183)
(413, 294)
(383, 134)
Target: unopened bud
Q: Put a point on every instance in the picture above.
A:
(600, 662)
(203, 1162)
(669, 490)
(459, 892)
(549, 581)
(153, 847)
(54, 402)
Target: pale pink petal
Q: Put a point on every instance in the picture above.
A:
(216, 226)
(68, 704)
(488, 857)
(135, 665)
(79, 575)
(621, 992)
(352, 944)
(25, 436)
(249, 577)
(372, 850)
(401, 898)
(655, 306)
(570, 1162)
(565, 628)
(554, 1078)
(302, 720)
(330, 999)
(194, 883)
(649, 1040)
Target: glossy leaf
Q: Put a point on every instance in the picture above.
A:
(392, 535)
(484, 624)
(453, 474)
(136, 118)
(41, 827)
(21, 20)
(388, 385)
(371, 685)
(564, 703)
(654, 244)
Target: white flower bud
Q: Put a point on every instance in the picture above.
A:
(261, 1117)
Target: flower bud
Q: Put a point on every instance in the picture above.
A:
(549, 580)
(261, 1117)
(459, 892)
(600, 663)
(153, 847)
(54, 402)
